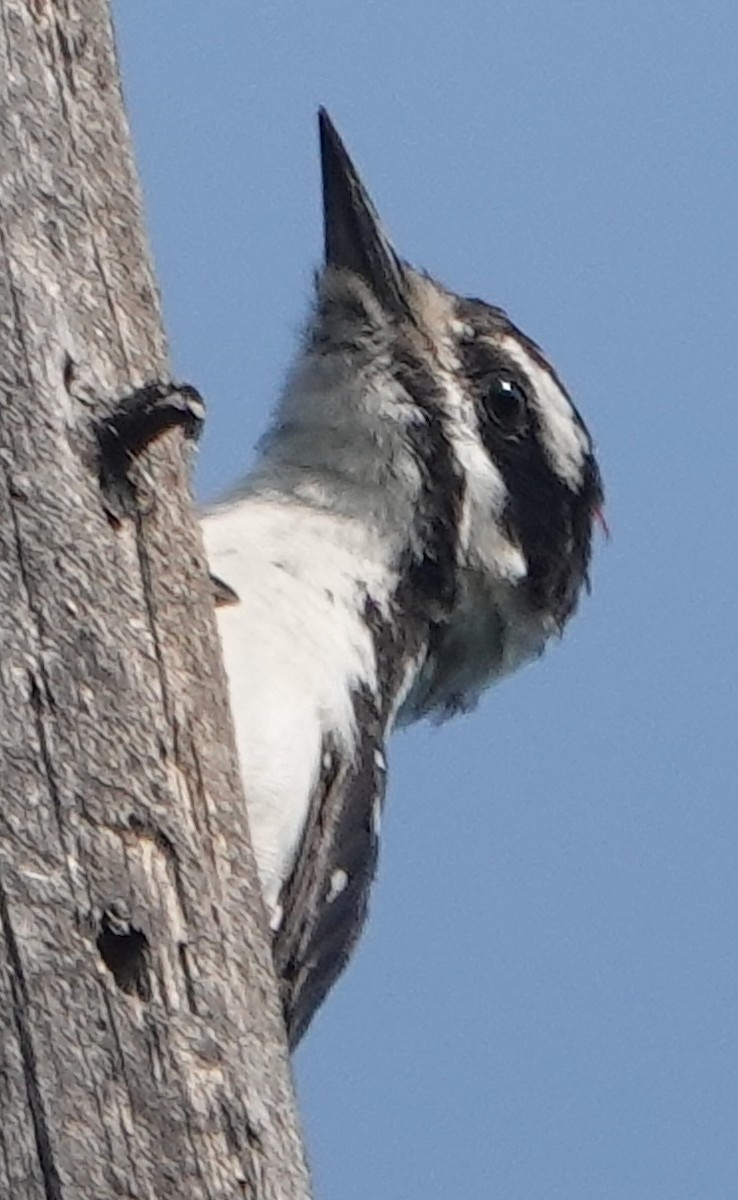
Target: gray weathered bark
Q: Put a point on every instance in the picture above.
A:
(142, 1052)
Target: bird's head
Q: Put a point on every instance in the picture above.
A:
(522, 487)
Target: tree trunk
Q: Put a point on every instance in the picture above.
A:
(142, 1051)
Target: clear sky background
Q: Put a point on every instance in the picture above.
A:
(545, 1003)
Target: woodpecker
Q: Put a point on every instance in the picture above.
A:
(417, 525)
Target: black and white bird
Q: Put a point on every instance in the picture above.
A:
(418, 525)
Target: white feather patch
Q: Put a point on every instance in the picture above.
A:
(485, 493)
(564, 440)
(339, 883)
(295, 647)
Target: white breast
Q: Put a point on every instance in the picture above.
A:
(295, 649)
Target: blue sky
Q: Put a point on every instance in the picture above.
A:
(544, 1005)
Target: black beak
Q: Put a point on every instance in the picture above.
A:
(354, 239)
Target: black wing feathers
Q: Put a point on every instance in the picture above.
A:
(324, 902)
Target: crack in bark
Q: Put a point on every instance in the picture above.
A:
(15, 300)
(67, 58)
(151, 615)
(35, 691)
(184, 965)
(50, 1175)
(37, 705)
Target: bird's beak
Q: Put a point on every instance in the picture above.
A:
(354, 238)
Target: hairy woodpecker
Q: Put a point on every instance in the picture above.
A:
(417, 525)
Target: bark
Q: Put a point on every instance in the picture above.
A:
(142, 1050)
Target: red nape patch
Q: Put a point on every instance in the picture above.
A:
(598, 515)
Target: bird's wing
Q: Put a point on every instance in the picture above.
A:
(324, 901)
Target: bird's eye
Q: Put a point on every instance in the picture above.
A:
(506, 404)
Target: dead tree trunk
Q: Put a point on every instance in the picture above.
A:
(141, 1045)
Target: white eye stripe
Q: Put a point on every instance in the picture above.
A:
(565, 442)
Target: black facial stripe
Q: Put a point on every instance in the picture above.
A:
(551, 523)
(430, 572)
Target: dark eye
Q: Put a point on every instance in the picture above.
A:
(506, 404)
